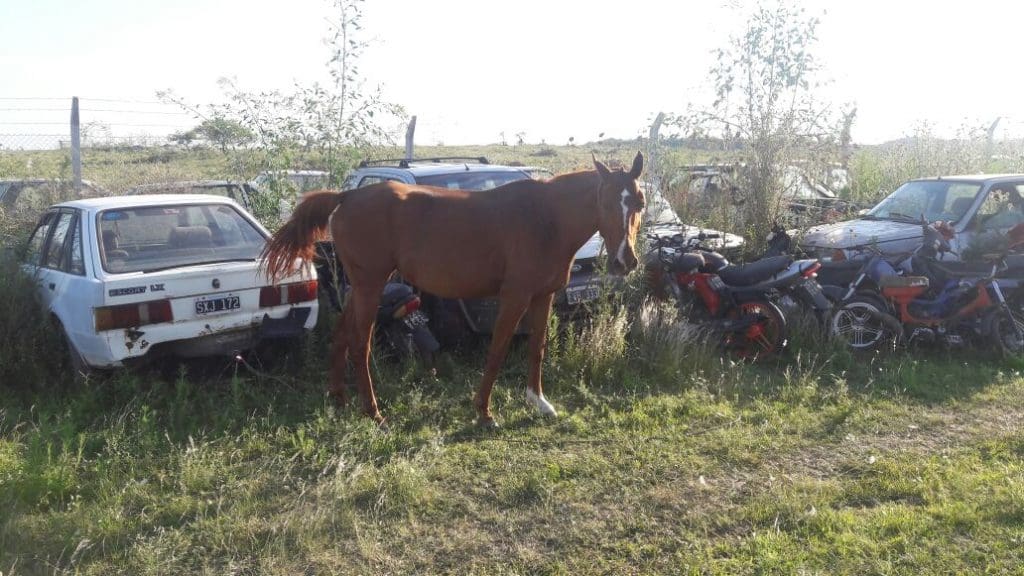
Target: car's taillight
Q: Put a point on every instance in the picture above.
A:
(812, 270)
(131, 315)
(287, 294)
(406, 309)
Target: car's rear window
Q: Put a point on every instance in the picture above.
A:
(471, 180)
(151, 238)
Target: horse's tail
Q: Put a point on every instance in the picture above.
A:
(294, 240)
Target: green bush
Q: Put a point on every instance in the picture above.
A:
(30, 342)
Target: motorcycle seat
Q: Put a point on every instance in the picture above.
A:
(903, 282)
(963, 268)
(713, 261)
(687, 263)
(750, 274)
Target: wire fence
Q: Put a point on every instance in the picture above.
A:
(124, 142)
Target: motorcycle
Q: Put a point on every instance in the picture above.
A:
(401, 324)
(917, 297)
(735, 301)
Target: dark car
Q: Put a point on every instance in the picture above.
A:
(240, 192)
(22, 200)
(455, 317)
(806, 198)
(30, 196)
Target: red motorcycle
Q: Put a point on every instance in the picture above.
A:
(734, 301)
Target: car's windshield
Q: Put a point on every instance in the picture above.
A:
(150, 238)
(471, 180)
(658, 210)
(931, 199)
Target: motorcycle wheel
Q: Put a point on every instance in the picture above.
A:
(420, 344)
(396, 341)
(426, 346)
(858, 323)
(764, 338)
(1002, 333)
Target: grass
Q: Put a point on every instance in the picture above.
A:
(665, 459)
(820, 463)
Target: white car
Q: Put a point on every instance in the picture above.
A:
(134, 276)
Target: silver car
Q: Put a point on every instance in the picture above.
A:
(980, 208)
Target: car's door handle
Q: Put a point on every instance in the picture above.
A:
(52, 285)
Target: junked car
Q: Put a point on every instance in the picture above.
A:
(30, 196)
(296, 180)
(276, 192)
(132, 277)
(979, 208)
(661, 220)
(240, 192)
(806, 194)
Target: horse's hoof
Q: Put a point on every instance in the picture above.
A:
(544, 408)
(487, 423)
(340, 398)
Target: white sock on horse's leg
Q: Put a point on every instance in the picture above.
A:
(542, 405)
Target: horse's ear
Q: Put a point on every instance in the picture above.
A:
(601, 168)
(638, 166)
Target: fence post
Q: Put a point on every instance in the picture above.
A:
(410, 133)
(76, 147)
(653, 151)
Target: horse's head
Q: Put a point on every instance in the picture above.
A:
(620, 202)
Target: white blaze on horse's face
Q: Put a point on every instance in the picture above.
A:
(619, 193)
(621, 254)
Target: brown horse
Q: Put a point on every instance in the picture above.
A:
(515, 242)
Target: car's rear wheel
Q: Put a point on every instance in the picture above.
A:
(80, 370)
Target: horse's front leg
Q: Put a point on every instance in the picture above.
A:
(365, 300)
(537, 319)
(511, 307)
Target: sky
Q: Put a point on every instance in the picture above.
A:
(473, 71)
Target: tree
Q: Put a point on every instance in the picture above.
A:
(764, 106)
(326, 120)
(218, 131)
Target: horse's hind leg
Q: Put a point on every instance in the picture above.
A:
(510, 311)
(365, 300)
(338, 383)
(537, 320)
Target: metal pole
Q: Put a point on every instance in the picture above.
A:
(410, 132)
(76, 147)
(653, 152)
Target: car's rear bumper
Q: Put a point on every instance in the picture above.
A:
(220, 335)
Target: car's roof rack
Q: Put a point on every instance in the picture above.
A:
(404, 162)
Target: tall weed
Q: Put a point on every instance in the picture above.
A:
(29, 336)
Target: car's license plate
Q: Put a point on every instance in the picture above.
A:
(581, 294)
(214, 305)
(811, 287)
